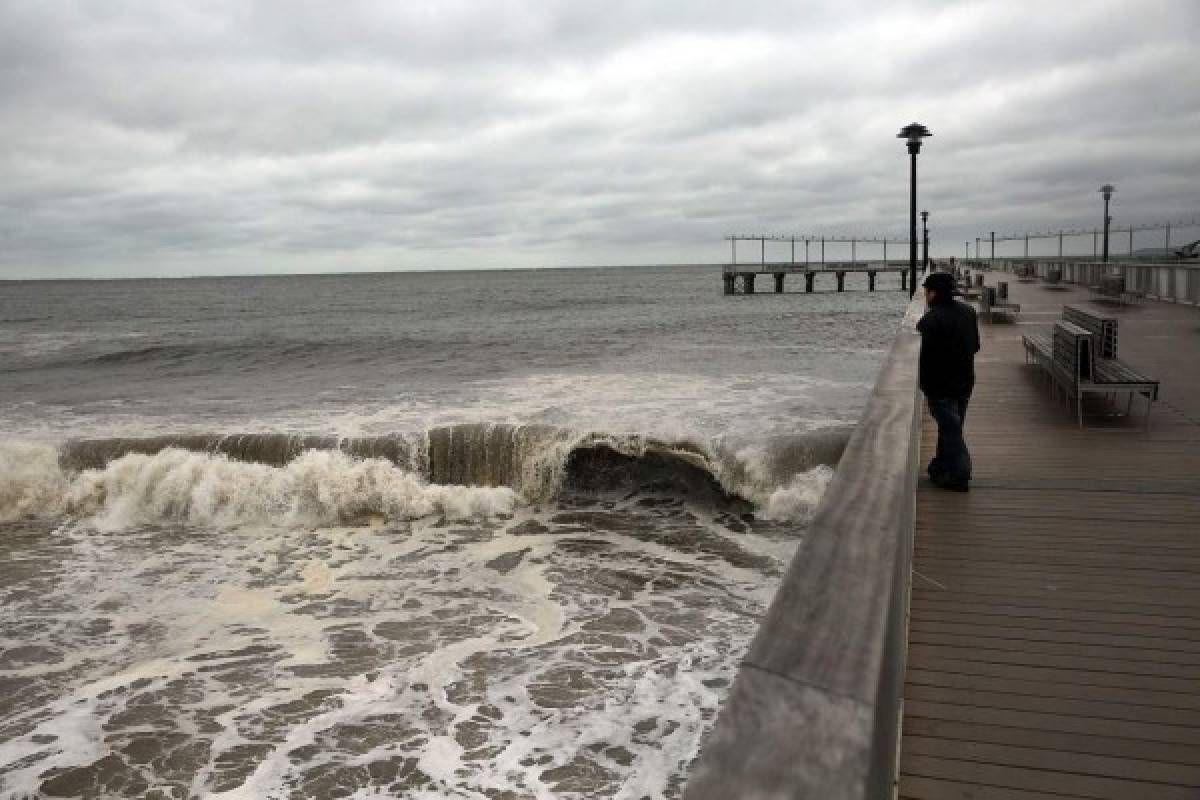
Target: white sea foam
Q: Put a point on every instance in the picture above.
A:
(318, 487)
(31, 481)
(798, 499)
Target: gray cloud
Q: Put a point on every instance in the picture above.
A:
(183, 138)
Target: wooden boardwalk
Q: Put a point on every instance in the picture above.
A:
(1054, 641)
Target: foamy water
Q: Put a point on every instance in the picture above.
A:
(491, 536)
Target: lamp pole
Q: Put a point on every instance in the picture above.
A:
(913, 133)
(1106, 190)
(925, 242)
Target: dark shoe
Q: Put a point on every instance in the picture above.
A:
(951, 484)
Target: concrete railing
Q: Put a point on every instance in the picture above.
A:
(815, 709)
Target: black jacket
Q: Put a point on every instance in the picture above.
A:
(949, 342)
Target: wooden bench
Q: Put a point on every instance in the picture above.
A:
(1071, 362)
(1039, 347)
(1054, 280)
(1109, 370)
(970, 287)
(1103, 328)
(1074, 355)
(991, 304)
(1111, 289)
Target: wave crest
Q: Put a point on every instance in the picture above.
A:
(457, 471)
(320, 487)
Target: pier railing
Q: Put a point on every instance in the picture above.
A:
(1169, 281)
(815, 709)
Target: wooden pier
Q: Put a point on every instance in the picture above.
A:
(740, 278)
(1037, 638)
(1054, 633)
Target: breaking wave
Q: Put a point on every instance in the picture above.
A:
(459, 472)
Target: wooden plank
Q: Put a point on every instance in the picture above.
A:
(1062, 723)
(1048, 533)
(1065, 661)
(1171, 591)
(1046, 594)
(1031, 554)
(1040, 532)
(1109, 638)
(1083, 709)
(1084, 575)
(1051, 617)
(1074, 507)
(950, 659)
(1031, 557)
(1089, 743)
(1015, 777)
(1134, 695)
(1134, 626)
(1124, 768)
(919, 787)
(961, 595)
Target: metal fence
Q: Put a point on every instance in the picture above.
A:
(1168, 281)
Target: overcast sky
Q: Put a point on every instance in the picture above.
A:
(185, 138)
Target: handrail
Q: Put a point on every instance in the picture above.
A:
(815, 709)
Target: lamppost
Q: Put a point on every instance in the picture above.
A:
(925, 241)
(913, 133)
(1106, 190)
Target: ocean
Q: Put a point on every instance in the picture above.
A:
(488, 534)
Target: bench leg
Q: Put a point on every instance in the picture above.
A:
(1079, 407)
(1129, 405)
(1149, 406)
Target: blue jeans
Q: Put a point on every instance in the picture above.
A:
(952, 462)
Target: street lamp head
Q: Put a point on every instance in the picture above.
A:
(913, 132)
(1107, 190)
(924, 216)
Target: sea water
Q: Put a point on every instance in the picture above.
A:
(494, 534)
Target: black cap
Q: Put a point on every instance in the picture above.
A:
(941, 282)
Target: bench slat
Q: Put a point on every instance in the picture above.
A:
(1104, 328)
